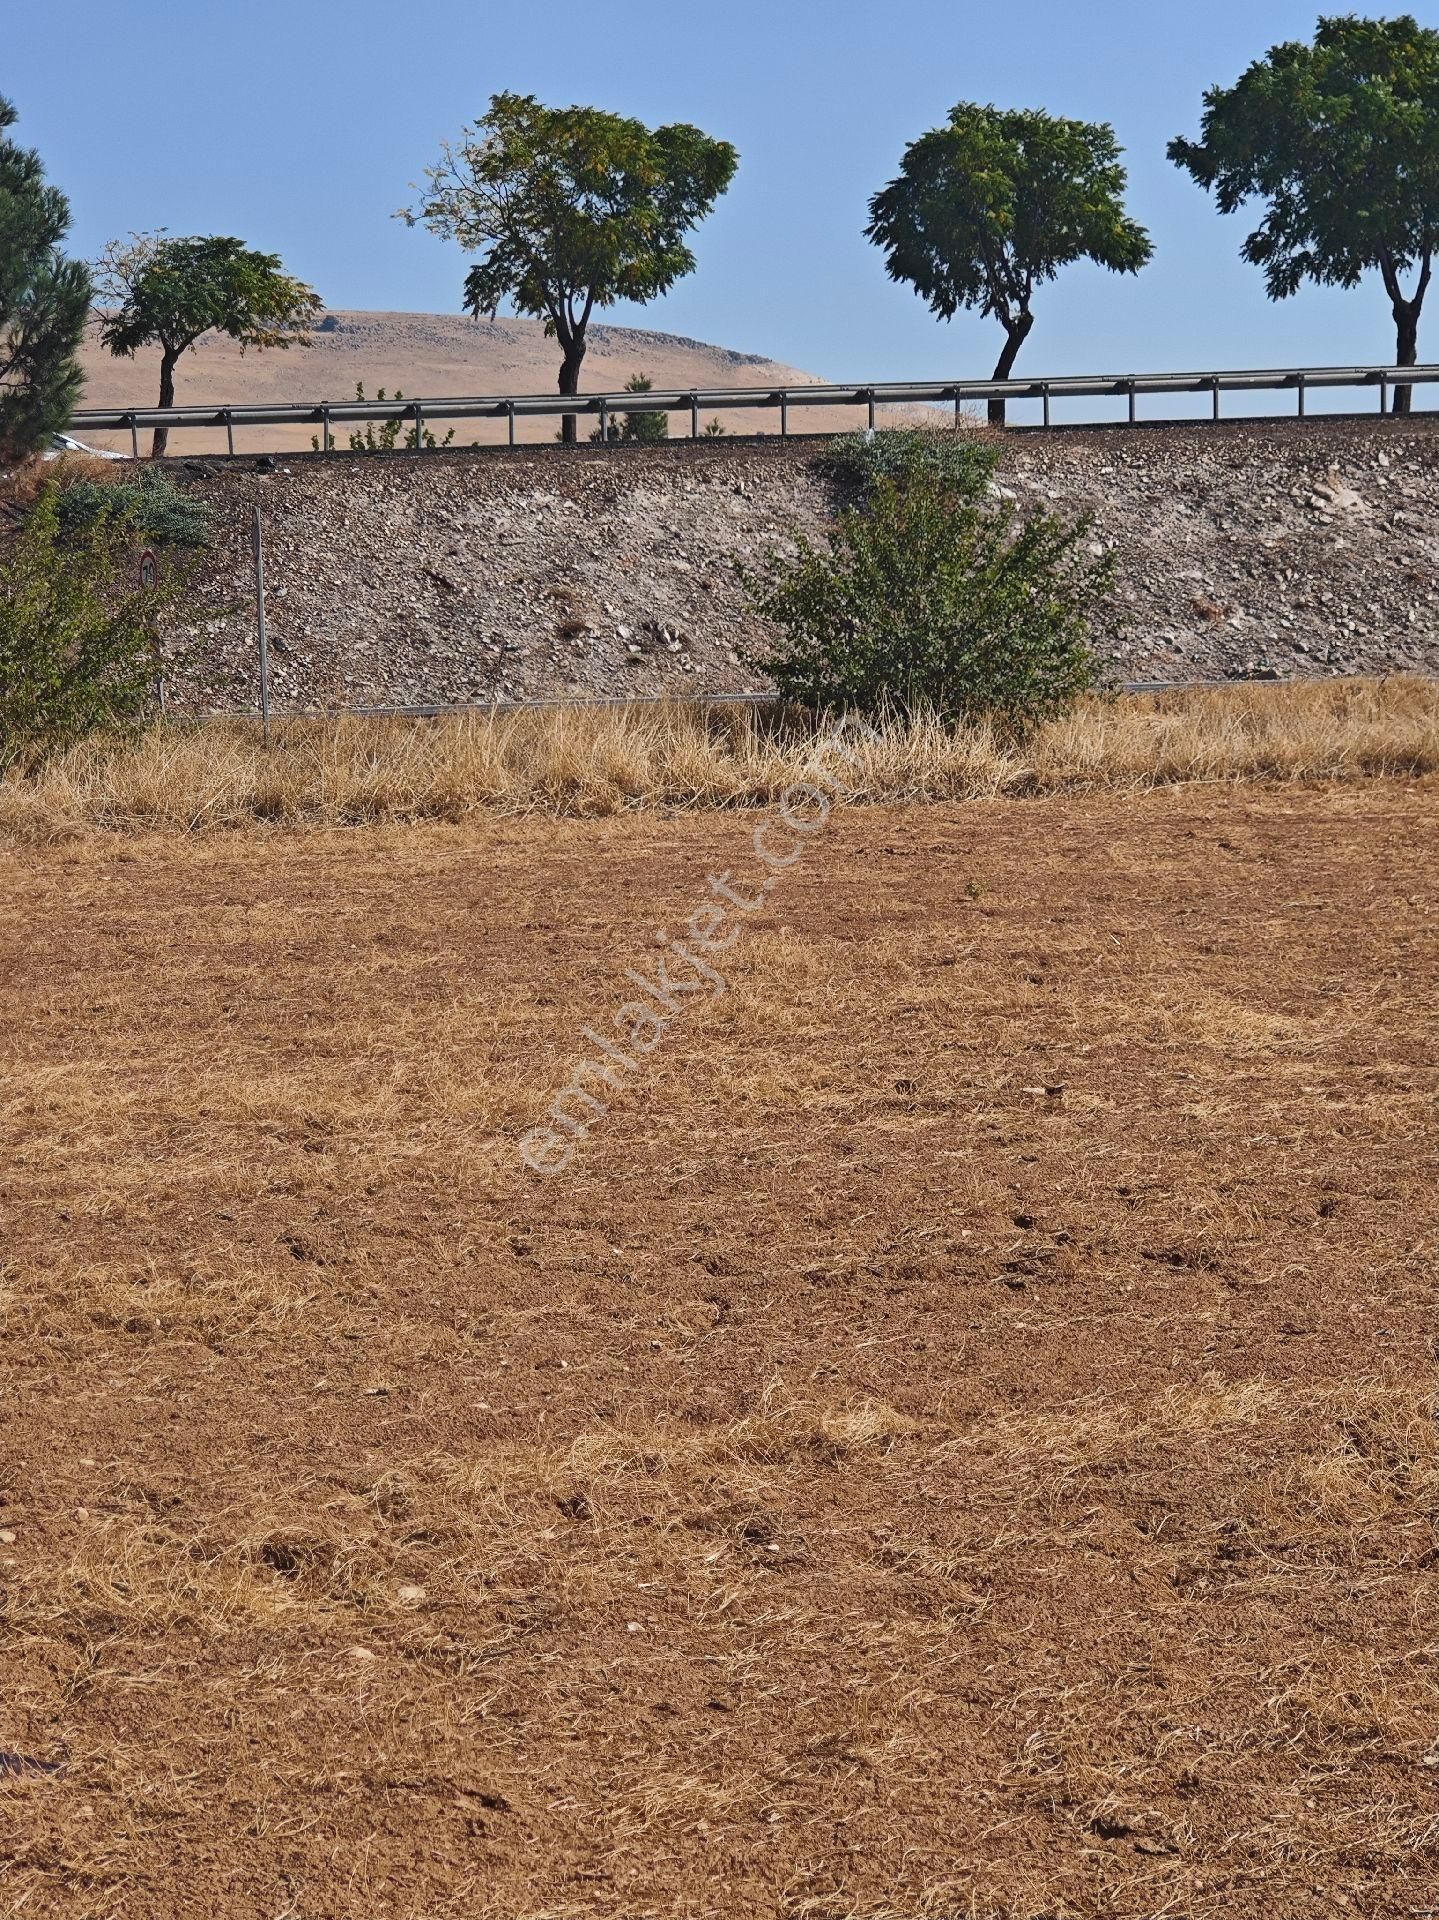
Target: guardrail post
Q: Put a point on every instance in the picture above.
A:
(1214, 397)
(1300, 384)
(1383, 394)
(419, 427)
(1045, 392)
(694, 416)
(510, 412)
(1132, 409)
(871, 409)
(327, 438)
(604, 423)
(784, 416)
(134, 439)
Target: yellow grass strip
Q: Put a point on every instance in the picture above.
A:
(604, 760)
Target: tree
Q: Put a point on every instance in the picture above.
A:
(994, 203)
(571, 209)
(1341, 138)
(168, 292)
(44, 302)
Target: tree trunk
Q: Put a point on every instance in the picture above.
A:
(167, 399)
(1016, 333)
(570, 383)
(1406, 352)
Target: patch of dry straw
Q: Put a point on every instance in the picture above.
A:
(604, 760)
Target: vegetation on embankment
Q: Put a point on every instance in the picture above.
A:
(602, 760)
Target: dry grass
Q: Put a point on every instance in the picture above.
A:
(864, 1487)
(599, 761)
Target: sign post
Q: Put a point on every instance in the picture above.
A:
(259, 540)
(149, 580)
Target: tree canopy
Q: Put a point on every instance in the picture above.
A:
(570, 209)
(1341, 139)
(167, 292)
(44, 301)
(991, 205)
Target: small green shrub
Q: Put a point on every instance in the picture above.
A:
(386, 437)
(151, 504)
(637, 429)
(78, 639)
(959, 459)
(933, 599)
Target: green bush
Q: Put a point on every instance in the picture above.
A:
(151, 504)
(637, 429)
(933, 598)
(78, 638)
(963, 462)
(386, 437)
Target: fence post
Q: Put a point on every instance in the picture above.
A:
(259, 540)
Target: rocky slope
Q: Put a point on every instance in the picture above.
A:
(1273, 548)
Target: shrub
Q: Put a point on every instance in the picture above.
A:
(933, 599)
(78, 639)
(151, 505)
(638, 429)
(963, 462)
(386, 437)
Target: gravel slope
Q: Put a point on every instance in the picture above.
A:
(1251, 548)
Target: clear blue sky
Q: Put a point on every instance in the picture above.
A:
(298, 125)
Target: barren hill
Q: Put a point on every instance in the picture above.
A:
(431, 355)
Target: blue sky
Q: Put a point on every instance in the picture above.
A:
(298, 124)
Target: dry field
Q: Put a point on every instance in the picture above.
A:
(957, 1440)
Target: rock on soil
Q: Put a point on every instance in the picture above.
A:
(1250, 549)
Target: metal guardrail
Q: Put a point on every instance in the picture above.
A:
(327, 414)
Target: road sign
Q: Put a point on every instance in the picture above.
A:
(149, 569)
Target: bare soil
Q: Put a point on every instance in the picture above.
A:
(957, 1438)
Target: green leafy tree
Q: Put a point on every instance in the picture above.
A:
(1341, 139)
(933, 599)
(44, 302)
(79, 641)
(169, 292)
(992, 204)
(571, 209)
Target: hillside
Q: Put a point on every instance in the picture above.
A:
(429, 355)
